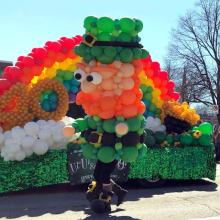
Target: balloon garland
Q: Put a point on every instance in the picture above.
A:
(54, 106)
(14, 107)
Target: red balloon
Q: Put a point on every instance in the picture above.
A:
(164, 75)
(175, 96)
(170, 85)
(12, 73)
(28, 61)
(155, 66)
(4, 85)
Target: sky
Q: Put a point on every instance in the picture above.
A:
(26, 24)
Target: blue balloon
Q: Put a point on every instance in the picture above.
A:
(53, 97)
(45, 105)
(74, 82)
(146, 102)
(74, 89)
(67, 85)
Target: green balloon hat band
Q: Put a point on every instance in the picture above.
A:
(107, 40)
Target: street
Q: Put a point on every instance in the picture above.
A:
(179, 200)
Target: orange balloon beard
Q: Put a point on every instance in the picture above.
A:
(106, 104)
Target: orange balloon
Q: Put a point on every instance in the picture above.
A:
(128, 97)
(130, 111)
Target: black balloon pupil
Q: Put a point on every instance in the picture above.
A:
(78, 76)
(89, 78)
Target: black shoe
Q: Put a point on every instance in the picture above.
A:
(119, 192)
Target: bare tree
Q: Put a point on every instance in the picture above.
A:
(194, 51)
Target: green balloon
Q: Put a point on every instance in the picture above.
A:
(106, 154)
(186, 139)
(125, 37)
(59, 79)
(159, 136)
(206, 128)
(109, 125)
(81, 124)
(150, 141)
(127, 25)
(205, 140)
(143, 88)
(110, 51)
(134, 124)
(137, 53)
(91, 122)
(170, 139)
(105, 59)
(104, 36)
(94, 31)
(67, 75)
(126, 55)
(152, 108)
(129, 154)
(89, 22)
(147, 96)
(144, 53)
(96, 51)
(88, 151)
(138, 25)
(105, 24)
(88, 57)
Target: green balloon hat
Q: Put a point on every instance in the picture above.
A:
(107, 40)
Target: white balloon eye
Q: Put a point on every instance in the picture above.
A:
(94, 78)
(79, 75)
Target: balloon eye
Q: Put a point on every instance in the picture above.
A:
(94, 78)
(79, 75)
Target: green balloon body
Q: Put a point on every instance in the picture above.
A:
(106, 154)
(96, 51)
(206, 128)
(186, 139)
(150, 141)
(134, 124)
(205, 140)
(89, 22)
(109, 125)
(170, 139)
(129, 154)
(91, 123)
(105, 24)
(88, 151)
(159, 136)
(127, 25)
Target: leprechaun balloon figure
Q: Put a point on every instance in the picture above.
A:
(113, 128)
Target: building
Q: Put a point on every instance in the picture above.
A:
(3, 64)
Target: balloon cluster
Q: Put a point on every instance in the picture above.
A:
(154, 124)
(105, 29)
(117, 92)
(124, 135)
(71, 84)
(32, 65)
(54, 105)
(181, 111)
(35, 137)
(14, 107)
(163, 88)
(148, 97)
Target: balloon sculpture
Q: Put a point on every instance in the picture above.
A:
(128, 100)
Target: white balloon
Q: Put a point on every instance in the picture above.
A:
(28, 142)
(51, 123)
(17, 133)
(1, 138)
(20, 155)
(157, 122)
(7, 134)
(13, 148)
(41, 123)
(50, 142)
(31, 128)
(44, 134)
(10, 141)
(28, 152)
(40, 147)
(61, 124)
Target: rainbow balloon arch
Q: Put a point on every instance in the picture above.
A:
(34, 99)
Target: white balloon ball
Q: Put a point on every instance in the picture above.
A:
(28, 142)
(1, 138)
(40, 147)
(50, 142)
(51, 123)
(20, 155)
(61, 124)
(31, 128)
(13, 148)
(18, 133)
(10, 141)
(157, 122)
(44, 134)
(41, 123)
(28, 152)
(7, 135)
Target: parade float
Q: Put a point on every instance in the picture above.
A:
(36, 92)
